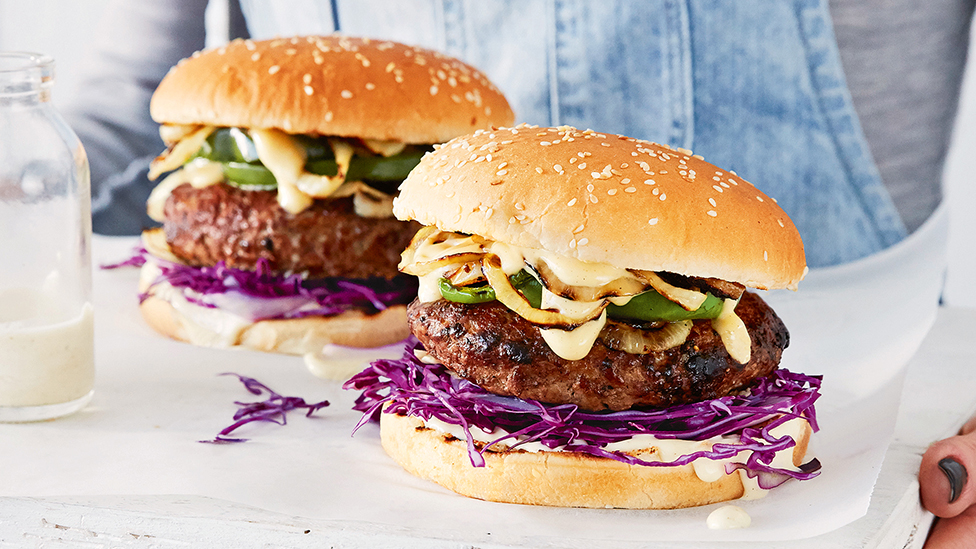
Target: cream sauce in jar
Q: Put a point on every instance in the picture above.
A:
(45, 358)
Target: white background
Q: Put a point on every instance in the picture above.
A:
(63, 29)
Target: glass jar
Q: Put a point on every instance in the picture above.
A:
(47, 365)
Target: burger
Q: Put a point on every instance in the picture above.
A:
(277, 224)
(584, 334)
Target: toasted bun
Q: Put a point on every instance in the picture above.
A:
(605, 198)
(331, 85)
(197, 325)
(561, 479)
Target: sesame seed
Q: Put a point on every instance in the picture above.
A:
(255, 56)
(572, 160)
(780, 221)
(656, 191)
(390, 66)
(273, 69)
(649, 181)
(589, 188)
(433, 90)
(309, 90)
(765, 255)
(538, 170)
(370, 86)
(582, 165)
(571, 203)
(724, 184)
(630, 190)
(611, 192)
(307, 78)
(579, 229)
(625, 180)
(593, 199)
(545, 143)
(652, 221)
(572, 243)
(328, 116)
(663, 196)
(716, 178)
(519, 206)
(717, 188)
(346, 94)
(712, 213)
(712, 202)
(759, 198)
(595, 175)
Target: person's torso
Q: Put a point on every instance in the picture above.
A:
(756, 87)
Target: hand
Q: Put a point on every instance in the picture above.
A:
(947, 491)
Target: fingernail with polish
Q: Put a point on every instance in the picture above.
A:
(957, 475)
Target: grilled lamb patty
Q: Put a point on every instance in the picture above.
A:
(223, 223)
(503, 353)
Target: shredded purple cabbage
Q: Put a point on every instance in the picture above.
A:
(273, 409)
(411, 387)
(263, 295)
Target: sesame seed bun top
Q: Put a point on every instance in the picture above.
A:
(331, 85)
(605, 198)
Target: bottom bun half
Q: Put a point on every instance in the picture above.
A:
(297, 336)
(560, 479)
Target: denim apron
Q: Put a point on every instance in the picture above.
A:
(755, 86)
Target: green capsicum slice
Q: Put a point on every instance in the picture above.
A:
(650, 306)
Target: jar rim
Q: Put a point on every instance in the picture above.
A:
(23, 73)
(17, 61)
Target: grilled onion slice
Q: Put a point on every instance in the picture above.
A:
(689, 300)
(623, 286)
(640, 341)
(178, 154)
(507, 295)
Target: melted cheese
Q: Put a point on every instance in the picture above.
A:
(322, 186)
(570, 343)
(733, 332)
(199, 172)
(285, 159)
(574, 344)
(430, 289)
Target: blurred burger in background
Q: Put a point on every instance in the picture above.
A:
(277, 224)
(584, 335)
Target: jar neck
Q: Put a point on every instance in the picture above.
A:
(25, 77)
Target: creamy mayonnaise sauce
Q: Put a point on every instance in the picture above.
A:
(204, 326)
(728, 517)
(651, 448)
(573, 344)
(45, 358)
(282, 155)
